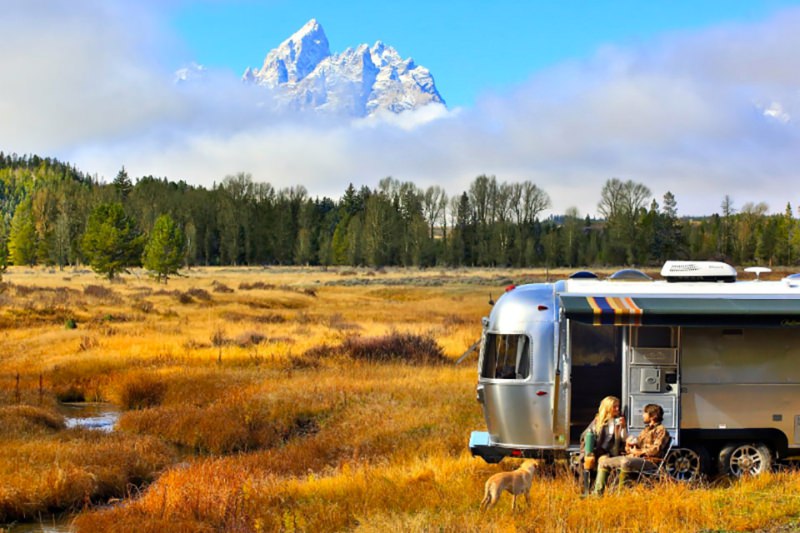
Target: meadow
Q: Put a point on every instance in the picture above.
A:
(289, 399)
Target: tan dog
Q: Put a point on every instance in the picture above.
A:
(516, 482)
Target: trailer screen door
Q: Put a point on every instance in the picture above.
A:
(596, 371)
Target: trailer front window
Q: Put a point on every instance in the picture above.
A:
(506, 357)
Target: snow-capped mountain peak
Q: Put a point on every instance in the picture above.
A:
(295, 58)
(358, 82)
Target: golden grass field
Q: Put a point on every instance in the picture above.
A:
(245, 409)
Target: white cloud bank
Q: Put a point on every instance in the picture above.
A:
(700, 114)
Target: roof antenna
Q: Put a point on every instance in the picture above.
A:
(758, 271)
(491, 300)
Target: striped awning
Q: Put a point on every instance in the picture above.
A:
(682, 310)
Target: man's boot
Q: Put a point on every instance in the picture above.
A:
(602, 478)
(624, 479)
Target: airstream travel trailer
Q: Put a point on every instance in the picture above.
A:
(722, 357)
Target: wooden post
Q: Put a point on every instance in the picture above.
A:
(16, 391)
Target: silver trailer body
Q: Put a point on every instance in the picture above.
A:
(518, 388)
(722, 359)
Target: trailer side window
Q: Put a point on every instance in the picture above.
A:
(506, 357)
(655, 337)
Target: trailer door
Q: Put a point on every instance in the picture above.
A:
(595, 371)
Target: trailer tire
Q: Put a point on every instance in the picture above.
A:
(745, 459)
(687, 464)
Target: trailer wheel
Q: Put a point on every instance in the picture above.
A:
(686, 464)
(749, 459)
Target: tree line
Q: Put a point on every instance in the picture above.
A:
(53, 214)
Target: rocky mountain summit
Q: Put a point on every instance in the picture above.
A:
(360, 81)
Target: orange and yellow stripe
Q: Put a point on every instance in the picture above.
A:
(623, 310)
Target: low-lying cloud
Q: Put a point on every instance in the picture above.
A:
(703, 115)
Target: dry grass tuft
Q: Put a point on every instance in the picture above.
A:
(249, 338)
(249, 424)
(19, 421)
(73, 469)
(406, 347)
(184, 298)
(322, 351)
(261, 318)
(201, 294)
(87, 343)
(220, 287)
(143, 306)
(140, 391)
(101, 293)
(82, 380)
(338, 322)
(257, 285)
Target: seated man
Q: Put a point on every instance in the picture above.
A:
(642, 453)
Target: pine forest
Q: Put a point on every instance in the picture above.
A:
(55, 215)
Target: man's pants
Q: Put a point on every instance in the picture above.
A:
(626, 463)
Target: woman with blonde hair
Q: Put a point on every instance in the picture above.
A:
(605, 435)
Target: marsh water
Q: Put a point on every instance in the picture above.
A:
(89, 415)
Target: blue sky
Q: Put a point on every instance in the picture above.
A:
(701, 98)
(470, 46)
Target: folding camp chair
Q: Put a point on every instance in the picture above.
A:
(646, 475)
(662, 467)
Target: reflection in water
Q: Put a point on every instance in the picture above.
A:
(90, 415)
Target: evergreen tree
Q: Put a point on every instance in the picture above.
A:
(111, 242)
(165, 250)
(671, 237)
(3, 245)
(122, 183)
(339, 243)
(22, 237)
(726, 244)
(571, 236)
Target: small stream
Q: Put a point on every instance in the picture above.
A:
(90, 415)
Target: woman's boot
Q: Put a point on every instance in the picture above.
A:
(600, 484)
(587, 482)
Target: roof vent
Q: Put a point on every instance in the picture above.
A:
(792, 280)
(629, 274)
(583, 274)
(675, 271)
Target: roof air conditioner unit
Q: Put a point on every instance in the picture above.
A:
(676, 271)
